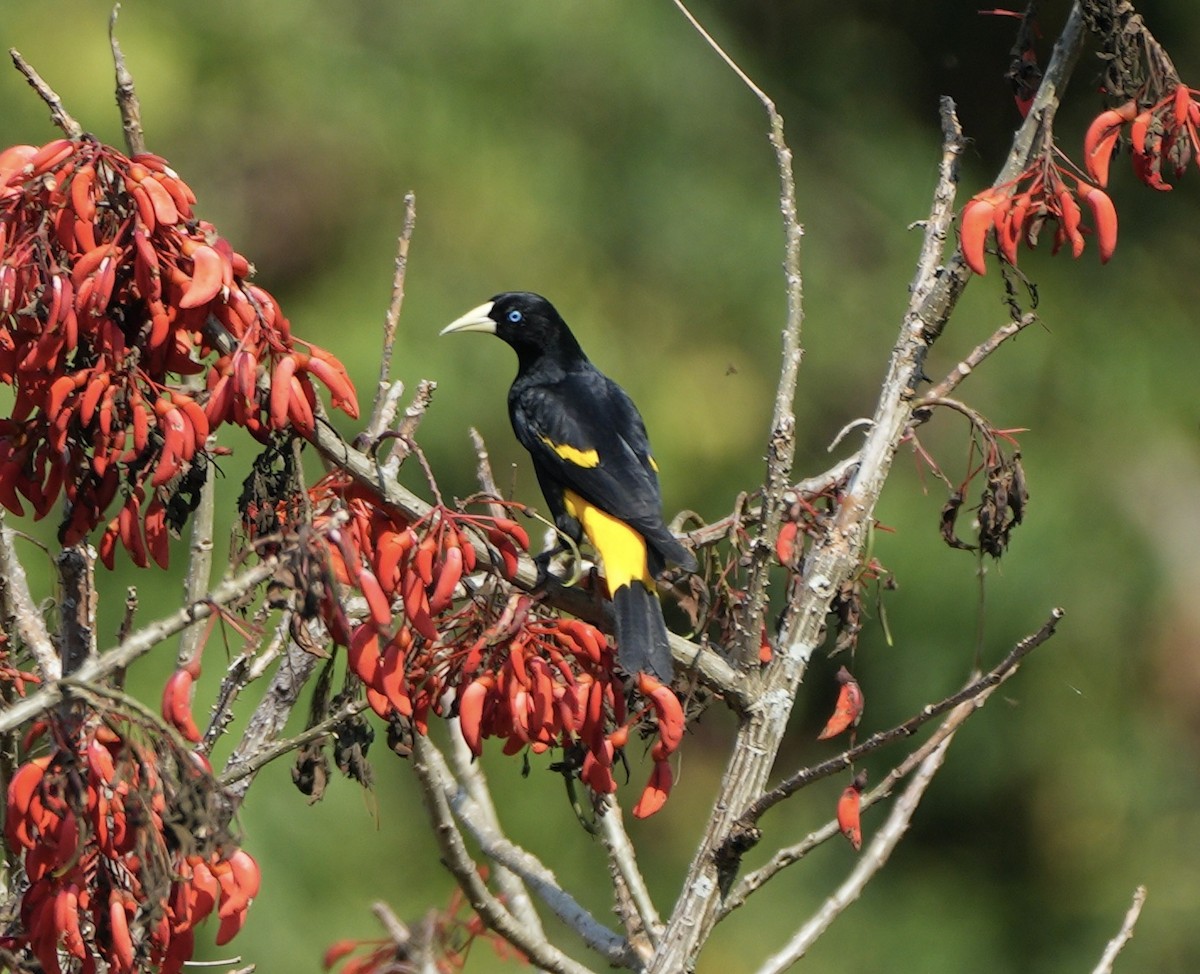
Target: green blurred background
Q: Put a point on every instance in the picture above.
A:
(600, 153)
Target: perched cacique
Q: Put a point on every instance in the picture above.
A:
(593, 462)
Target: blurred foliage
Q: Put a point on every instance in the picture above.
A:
(599, 153)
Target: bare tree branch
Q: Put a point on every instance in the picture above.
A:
(58, 114)
(127, 99)
(961, 705)
(1124, 935)
(138, 644)
(980, 687)
(781, 443)
(379, 421)
(524, 864)
(978, 354)
(18, 605)
(77, 602)
(873, 859)
(545, 956)
(472, 780)
(622, 859)
(259, 752)
(199, 566)
(833, 559)
(268, 720)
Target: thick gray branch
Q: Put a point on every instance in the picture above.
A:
(140, 643)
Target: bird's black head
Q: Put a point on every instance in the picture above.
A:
(527, 322)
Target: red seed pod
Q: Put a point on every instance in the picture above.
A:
(208, 274)
(848, 810)
(596, 772)
(1104, 216)
(1101, 139)
(416, 605)
(392, 678)
(847, 712)
(667, 708)
(281, 391)
(390, 550)
(471, 710)
(22, 788)
(333, 375)
(657, 790)
(785, 544)
(363, 655)
(177, 705)
(975, 222)
(765, 653)
(514, 531)
(448, 577)
(377, 602)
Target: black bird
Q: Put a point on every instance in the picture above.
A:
(593, 462)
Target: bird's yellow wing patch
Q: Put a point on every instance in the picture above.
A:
(572, 454)
(619, 546)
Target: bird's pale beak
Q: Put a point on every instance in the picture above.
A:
(474, 320)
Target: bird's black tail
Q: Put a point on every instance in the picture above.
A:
(641, 633)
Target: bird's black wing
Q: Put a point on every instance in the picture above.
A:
(585, 435)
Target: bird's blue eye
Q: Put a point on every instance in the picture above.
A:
(515, 317)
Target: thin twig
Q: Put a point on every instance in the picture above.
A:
(383, 415)
(127, 99)
(19, 606)
(392, 319)
(470, 776)
(989, 681)
(806, 489)
(131, 607)
(789, 855)
(58, 114)
(266, 753)
(622, 858)
(402, 437)
(483, 472)
(542, 954)
(268, 720)
(137, 645)
(781, 443)
(249, 665)
(397, 930)
(1124, 935)
(973, 416)
(873, 859)
(978, 354)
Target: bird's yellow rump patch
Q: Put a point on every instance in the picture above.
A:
(572, 454)
(621, 548)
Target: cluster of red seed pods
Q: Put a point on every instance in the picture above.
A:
(110, 886)
(512, 672)
(1162, 135)
(1018, 210)
(112, 294)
